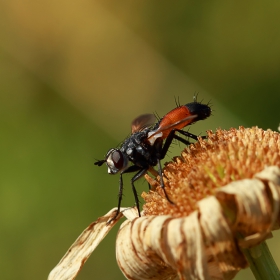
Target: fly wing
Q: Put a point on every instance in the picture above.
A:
(158, 132)
(142, 122)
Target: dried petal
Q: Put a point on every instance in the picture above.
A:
(81, 249)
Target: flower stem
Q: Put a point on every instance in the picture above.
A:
(262, 263)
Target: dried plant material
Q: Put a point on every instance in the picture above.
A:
(255, 200)
(226, 156)
(222, 204)
(138, 258)
(220, 246)
(204, 244)
(81, 249)
(162, 247)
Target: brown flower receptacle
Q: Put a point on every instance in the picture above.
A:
(224, 157)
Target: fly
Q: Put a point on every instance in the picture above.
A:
(149, 142)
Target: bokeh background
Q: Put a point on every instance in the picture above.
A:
(73, 74)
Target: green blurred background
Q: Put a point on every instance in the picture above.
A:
(73, 74)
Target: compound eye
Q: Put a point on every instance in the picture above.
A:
(117, 159)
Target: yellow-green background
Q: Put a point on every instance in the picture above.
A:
(73, 74)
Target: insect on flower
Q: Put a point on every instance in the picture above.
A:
(149, 142)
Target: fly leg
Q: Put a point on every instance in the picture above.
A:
(188, 134)
(162, 183)
(135, 178)
(165, 148)
(169, 140)
(120, 194)
(132, 168)
(172, 136)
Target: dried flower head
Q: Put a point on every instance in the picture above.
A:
(224, 157)
(221, 206)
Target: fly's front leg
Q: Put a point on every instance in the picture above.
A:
(120, 194)
(132, 168)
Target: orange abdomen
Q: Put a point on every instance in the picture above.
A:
(174, 116)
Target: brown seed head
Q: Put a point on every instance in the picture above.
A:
(203, 167)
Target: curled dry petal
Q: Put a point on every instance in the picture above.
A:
(73, 261)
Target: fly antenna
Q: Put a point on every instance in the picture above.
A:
(100, 162)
